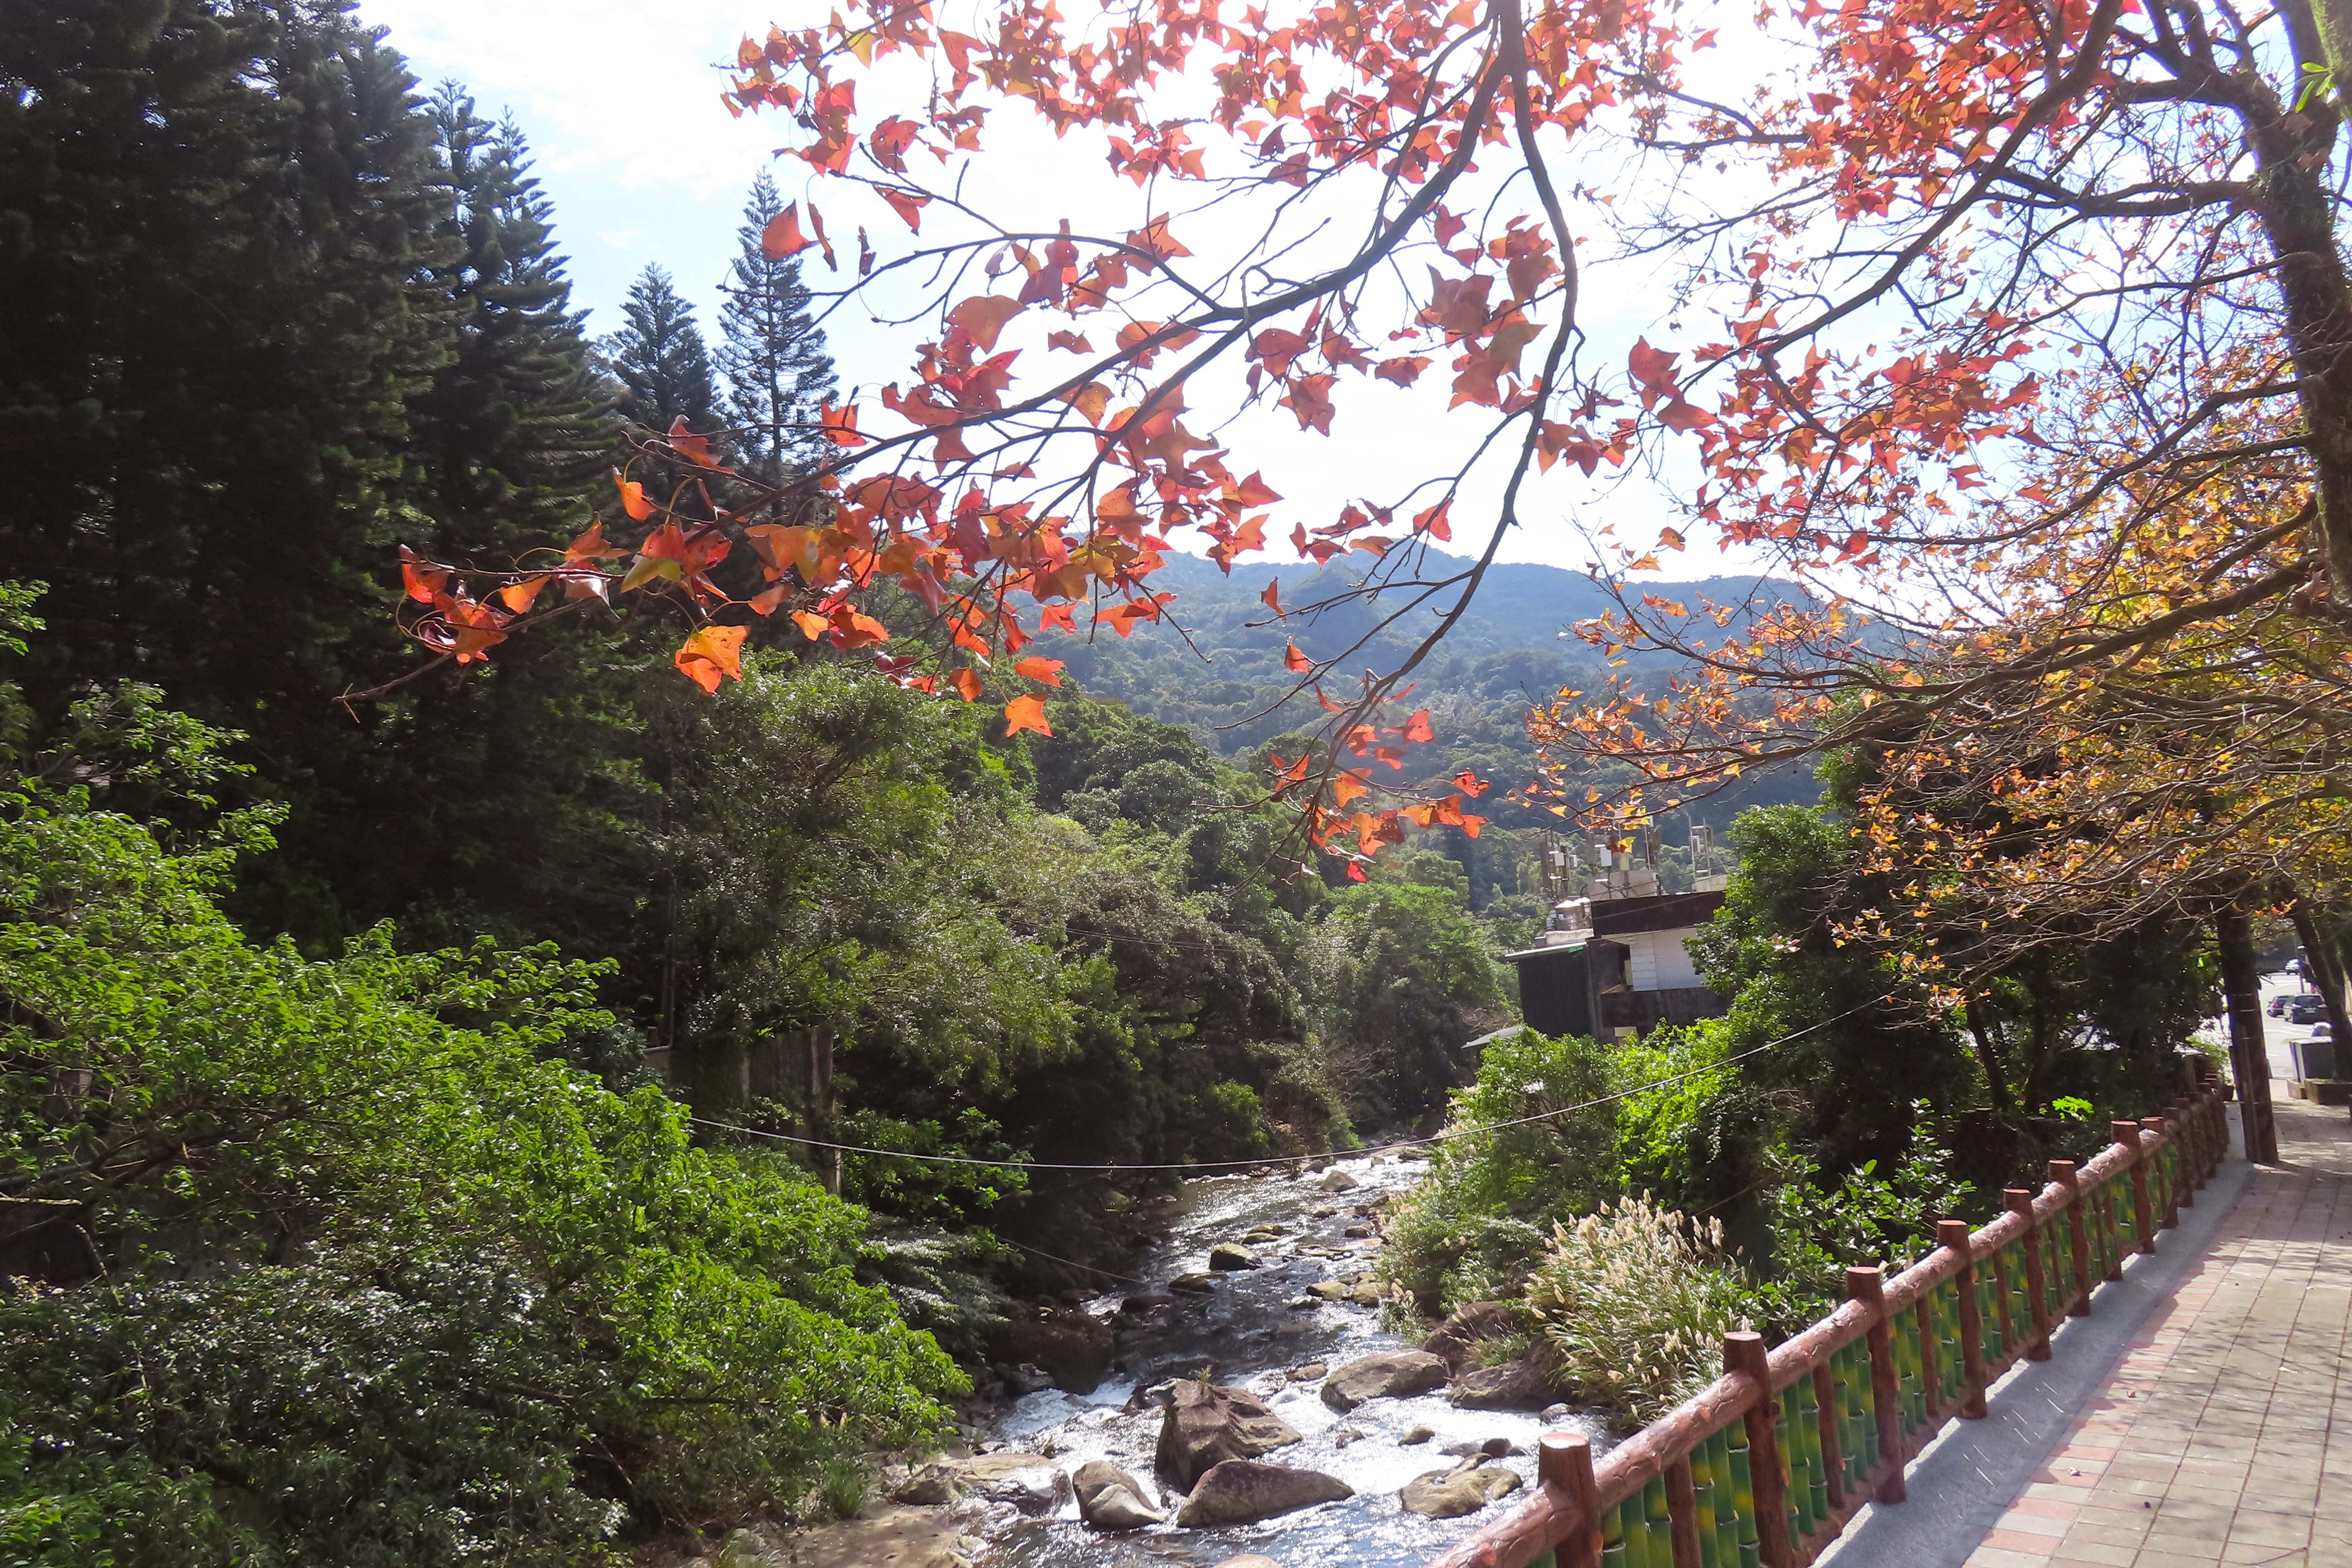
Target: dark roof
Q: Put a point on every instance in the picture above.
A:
(1665, 911)
(1556, 947)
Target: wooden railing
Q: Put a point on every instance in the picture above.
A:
(1766, 1467)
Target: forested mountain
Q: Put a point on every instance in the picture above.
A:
(1217, 667)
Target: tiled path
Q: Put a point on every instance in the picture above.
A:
(2214, 1442)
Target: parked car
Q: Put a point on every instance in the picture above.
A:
(2276, 1006)
(2307, 1008)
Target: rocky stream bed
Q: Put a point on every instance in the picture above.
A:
(1256, 1414)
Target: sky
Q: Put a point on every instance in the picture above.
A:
(620, 101)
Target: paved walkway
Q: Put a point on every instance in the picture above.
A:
(2214, 1439)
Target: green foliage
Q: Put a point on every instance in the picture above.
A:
(348, 1268)
(1470, 1229)
(1821, 1227)
(1633, 1301)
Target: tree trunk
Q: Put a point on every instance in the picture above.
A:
(1989, 1058)
(2325, 967)
(2249, 1056)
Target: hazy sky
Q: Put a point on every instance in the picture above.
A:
(620, 100)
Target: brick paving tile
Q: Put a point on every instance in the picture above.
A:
(2224, 1438)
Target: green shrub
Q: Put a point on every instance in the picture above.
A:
(1819, 1231)
(344, 1267)
(1468, 1231)
(1634, 1302)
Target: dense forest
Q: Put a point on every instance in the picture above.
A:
(343, 994)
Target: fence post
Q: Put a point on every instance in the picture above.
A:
(1564, 1462)
(2127, 1134)
(2078, 1239)
(1682, 1514)
(1825, 1410)
(1953, 1234)
(1931, 1360)
(1868, 1286)
(1745, 1352)
(2037, 1285)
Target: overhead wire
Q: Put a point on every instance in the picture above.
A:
(1449, 1135)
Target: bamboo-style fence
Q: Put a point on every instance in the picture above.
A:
(1765, 1469)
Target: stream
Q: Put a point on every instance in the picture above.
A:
(1249, 1330)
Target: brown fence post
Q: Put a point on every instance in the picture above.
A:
(2078, 1237)
(1868, 1286)
(1745, 1352)
(2037, 1285)
(1564, 1463)
(2108, 1220)
(1953, 1234)
(1682, 1514)
(2128, 1134)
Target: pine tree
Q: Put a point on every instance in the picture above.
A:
(771, 352)
(511, 435)
(660, 360)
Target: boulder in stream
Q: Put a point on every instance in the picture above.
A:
(1450, 1494)
(1521, 1385)
(1242, 1492)
(1194, 1284)
(1225, 1255)
(1308, 1373)
(1456, 1338)
(1110, 1498)
(1390, 1374)
(1030, 1482)
(1206, 1425)
(1340, 1182)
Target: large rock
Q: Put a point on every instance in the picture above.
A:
(1459, 1335)
(1206, 1425)
(1340, 1182)
(1030, 1482)
(1391, 1374)
(1519, 1385)
(1450, 1494)
(1225, 1255)
(1242, 1492)
(1110, 1498)
(1073, 1349)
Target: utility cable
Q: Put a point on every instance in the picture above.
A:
(1450, 1135)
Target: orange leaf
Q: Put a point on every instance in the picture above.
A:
(1037, 667)
(710, 653)
(782, 236)
(1025, 713)
(983, 316)
(1417, 727)
(633, 498)
(812, 625)
(1292, 659)
(516, 596)
(967, 684)
(421, 580)
(907, 206)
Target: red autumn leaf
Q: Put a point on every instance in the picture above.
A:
(782, 236)
(1470, 783)
(422, 580)
(1272, 598)
(1417, 727)
(907, 205)
(710, 653)
(1025, 713)
(1070, 340)
(1037, 667)
(983, 316)
(1294, 658)
(518, 596)
(840, 425)
(633, 498)
(966, 682)
(1403, 371)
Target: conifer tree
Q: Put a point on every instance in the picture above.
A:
(771, 352)
(660, 360)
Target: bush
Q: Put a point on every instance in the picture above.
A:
(1819, 1232)
(1634, 1302)
(1468, 1231)
(341, 1267)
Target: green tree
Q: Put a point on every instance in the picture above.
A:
(218, 229)
(660, 360)
(770, 350)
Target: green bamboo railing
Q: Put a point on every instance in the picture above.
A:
(1765, 1469)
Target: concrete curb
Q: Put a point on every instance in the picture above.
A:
(1972, 1474)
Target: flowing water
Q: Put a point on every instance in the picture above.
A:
(1248, 1331)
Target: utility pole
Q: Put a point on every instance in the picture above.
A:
(2250, 1060)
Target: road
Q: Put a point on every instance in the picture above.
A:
(2278, 1035)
